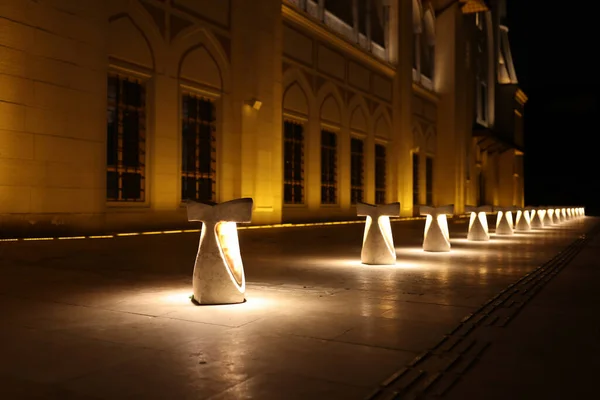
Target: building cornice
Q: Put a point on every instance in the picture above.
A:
(426, 94)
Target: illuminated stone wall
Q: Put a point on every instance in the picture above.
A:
(52, 115)
(255, 71)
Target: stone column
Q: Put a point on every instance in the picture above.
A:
(257, 74)
(402, 137)
(453, 117)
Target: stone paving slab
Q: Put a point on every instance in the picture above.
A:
(551, 350)
(111, 319)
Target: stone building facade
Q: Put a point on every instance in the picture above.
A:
(114, 112)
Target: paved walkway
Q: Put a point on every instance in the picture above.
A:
(552, 348)
(111, 318)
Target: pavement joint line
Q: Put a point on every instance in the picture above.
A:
(464, 361)
(166, 232)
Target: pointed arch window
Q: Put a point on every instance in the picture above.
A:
(293, 162)
(126, 139)
(357, 169)
(198, 161)
(380, 174)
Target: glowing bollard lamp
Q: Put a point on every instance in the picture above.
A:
(537, 216)
(550, 218)
(557, 216)
(504, 221)
(569, 214)
(378, 241)
(563, 214)
(522, 220)
(478, 226)
(219, 272)
(436, 236)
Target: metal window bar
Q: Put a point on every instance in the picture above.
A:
(356, 170)
(198, 167)
(380, 174)
(328, 167)
(126, 139)
(293, 162)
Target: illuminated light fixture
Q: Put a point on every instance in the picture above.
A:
(504, 221)
(563, 214)
(557, 216)
(569, 213)
(219, 273)
(549, 220)
(254, 103)
(537, 216)
(522, 220)
(478, 226)
(436, 237)
(378, 241)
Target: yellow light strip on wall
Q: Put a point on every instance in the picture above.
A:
(286, 225)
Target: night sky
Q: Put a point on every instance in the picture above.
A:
(554, 50)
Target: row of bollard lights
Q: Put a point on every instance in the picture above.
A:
(219, 273)
(378, 244)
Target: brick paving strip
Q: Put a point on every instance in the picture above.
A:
(432, 373)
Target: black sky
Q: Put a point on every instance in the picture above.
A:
(555, 51)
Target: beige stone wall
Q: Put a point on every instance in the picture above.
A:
(329, 87)
(52, 115)
(174, 48)
(55, 56)
(425, 140)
